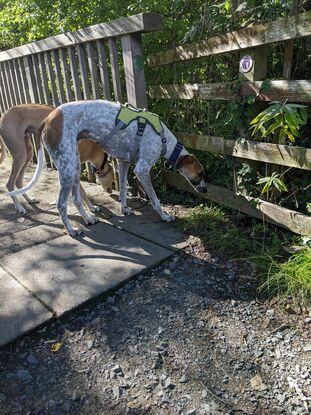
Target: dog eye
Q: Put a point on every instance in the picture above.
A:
(201, 174)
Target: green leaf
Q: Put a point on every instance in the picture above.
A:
(280, 185)
(227, 5)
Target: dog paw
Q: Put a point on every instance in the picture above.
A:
(90, 220)
(166, 217)
(30, 200)
(126, 211)
(74, 232)
(20, 209)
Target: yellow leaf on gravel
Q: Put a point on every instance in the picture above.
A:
(55, 347)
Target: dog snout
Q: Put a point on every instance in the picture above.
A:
(202, 188)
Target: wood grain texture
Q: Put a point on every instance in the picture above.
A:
(45, 85)
(66, 74)
(83, 72)
(74, 74)
(115, 72)
(92, 64)
(51, 76)
(19, 81)
(251, 36)
(288, 219)
(290, 156)
(134, 70)
(31, 80)
(293, 91)
(103, 69)
(59, 78)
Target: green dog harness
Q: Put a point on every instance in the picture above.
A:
(128, 114)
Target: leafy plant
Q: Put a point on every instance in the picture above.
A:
(280, 120)
(272, 181)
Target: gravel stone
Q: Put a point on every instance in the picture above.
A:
(150, 348)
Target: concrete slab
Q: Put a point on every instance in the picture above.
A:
(66, 272)
(19, 311)
(144, 221)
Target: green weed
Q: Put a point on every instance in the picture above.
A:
(259, 245)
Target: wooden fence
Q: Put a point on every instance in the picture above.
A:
(251, 41)
(79, 65)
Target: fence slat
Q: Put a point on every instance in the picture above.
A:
(74, 74)
(83, 72)
(45, 85)
(20, 90)
(21, 65)
(59, 79)
(2, 99)
(10, 82)
(6, 85)
(36, 69)
(113, 51)
(290, 156)
(292, 91)
(31, 80)
(51, 79)
(65, 71)
(248, 37)
(14, 83)
(103, 69)
(286, 218)
(93, 70)
(4, 88)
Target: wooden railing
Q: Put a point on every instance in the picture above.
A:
(75, 65)
(252, 41)
(79, 65)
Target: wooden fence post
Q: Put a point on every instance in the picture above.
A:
(134, 70)
(134, 78)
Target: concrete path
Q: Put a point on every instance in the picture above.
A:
(44, 273)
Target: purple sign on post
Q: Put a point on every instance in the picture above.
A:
(246, 63)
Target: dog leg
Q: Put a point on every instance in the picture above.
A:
(143, 174)
(123, 171)
(17, 165)
(65, 189)
(88, 219)
(87, 201)
(20, 178)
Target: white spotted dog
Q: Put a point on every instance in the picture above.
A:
(17, 123)
(128, 134)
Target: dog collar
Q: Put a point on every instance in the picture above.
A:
(176, 153)
(102, 167)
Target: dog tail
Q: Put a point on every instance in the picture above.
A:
(34, 180)
(2, 151)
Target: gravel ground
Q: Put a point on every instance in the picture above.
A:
(188, 337)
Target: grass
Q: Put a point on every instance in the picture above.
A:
(291, 278)
(258, 244)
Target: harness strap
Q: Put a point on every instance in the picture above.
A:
(100, 170)
(176, 153)
(141, 125)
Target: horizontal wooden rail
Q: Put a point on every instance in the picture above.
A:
(292, 91)
(287, 219)
(290, 156)
(139, 23)
(254, 35)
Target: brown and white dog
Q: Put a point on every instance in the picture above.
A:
(17, 124)
(60, 132)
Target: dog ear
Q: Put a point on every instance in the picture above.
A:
(184, 160)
